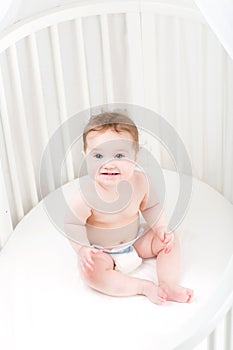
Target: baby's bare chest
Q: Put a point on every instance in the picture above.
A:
(122, 213)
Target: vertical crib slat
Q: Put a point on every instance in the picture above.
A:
(10, 153)
(150, 60)
(61, 95)
(227, 147)
(201, 90)
(197, 123)
(178, 72)
(229, 330)
(181, 93)
(212, 341)
(6, 227)
(106, 51)
(212, 91)
(23, 123)
(82, 62)
(58, 72)
(134, 47)
(38, 91)
(221, 337)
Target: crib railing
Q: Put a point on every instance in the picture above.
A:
(57, 64)
(72, 58)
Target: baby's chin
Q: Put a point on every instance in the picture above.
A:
(111, 181)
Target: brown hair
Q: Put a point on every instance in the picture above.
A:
(111, 120)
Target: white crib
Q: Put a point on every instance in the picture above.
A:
(73, 58)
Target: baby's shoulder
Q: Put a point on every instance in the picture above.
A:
(78, 198)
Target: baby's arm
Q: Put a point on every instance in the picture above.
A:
(75, 221)
(75, 229)
(152, 210)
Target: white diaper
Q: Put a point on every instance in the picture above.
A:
(126, 262)
(125, 257)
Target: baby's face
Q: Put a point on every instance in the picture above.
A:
(110, 156)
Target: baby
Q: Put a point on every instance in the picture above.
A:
(105, 215)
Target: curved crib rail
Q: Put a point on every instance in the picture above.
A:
(69, 12)
(219, 305)
(28, 40)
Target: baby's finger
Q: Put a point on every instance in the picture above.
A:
(96, 251)
(161, 236)
(168, 248)
(84, 270)
(166, 239)
(82, 267)
(88, 260)
(169, 237)
(86, 265)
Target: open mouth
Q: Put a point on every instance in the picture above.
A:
(110, 174)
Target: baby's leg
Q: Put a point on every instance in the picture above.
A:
(108, 281)
(168, 271)
(168, 265)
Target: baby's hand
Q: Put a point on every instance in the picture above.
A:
(85, 258)
(166, 238)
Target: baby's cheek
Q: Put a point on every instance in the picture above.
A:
(93, 169)
(129, 168)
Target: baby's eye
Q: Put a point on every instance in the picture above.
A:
(98, 156)
(119, 155)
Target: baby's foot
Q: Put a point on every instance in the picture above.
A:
(155, 293)
(177, 293)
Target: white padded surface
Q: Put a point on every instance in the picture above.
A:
(45, 305)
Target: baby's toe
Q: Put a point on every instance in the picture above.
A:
(161, 293)
(161, 301)
(189, 295)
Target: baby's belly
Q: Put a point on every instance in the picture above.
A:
(108, 237)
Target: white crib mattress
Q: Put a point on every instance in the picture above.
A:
(45, 305)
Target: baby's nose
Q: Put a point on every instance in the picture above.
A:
(110, 165)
